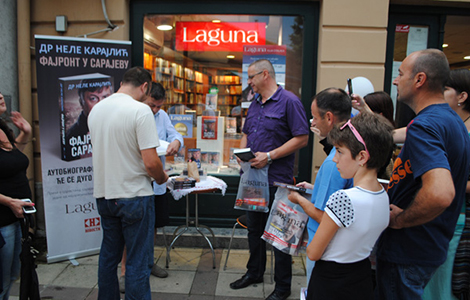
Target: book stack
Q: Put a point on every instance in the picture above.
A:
(180, 183)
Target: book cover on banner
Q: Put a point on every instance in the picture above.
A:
(209, 127)
(77, 96)
(183, 124)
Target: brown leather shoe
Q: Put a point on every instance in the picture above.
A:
(244, 282)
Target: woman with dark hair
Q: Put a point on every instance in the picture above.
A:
(381, 103)
(14, 186)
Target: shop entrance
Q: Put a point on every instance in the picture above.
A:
(415, 28)
(200, 54)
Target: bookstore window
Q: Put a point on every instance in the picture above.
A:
(202, 62)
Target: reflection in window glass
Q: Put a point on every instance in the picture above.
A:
(202, 62)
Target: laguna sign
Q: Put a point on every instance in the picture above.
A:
(208, 36)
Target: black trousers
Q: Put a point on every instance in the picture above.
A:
(256, 222)
(331, 281)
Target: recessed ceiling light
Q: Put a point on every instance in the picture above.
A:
(467, 57)
(230, 56)
(445, 45)
(216, 21)
(164, 27)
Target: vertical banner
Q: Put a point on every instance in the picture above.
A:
(275, 54)
(73, 74)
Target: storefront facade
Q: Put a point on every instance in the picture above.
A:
(317, 44)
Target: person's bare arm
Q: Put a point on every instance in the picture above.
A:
(16, 205)
(153, 165)
(325, 232)
(436, 194)
(173, 147)
(358, 103)
(25, 128)
(308, 207)
(292, 145)
(399, 135)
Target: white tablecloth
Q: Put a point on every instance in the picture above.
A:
(209, 183)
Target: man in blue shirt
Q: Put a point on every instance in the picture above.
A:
(329, 108)
(276, 126)
(428, 182)
(168, 133)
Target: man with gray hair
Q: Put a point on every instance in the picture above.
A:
(428, 182)
(276, 126)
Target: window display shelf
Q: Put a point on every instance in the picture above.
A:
(187, 87)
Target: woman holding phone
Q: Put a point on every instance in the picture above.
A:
(14, 186)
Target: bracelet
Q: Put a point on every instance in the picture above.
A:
(269, 158)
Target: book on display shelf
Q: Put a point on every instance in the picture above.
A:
(209, 127)
(231, 125)
(211, 101)
(204, 157)
(214, 158)
(183, 124)
(232, 160)
(245, 154)
(194, 154)
(180, 156)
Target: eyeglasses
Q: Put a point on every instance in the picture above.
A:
(356, 134)
(253, 76)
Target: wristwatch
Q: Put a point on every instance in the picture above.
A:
(269, 158)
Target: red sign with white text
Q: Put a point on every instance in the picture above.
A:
(402, 28)
(208, 36)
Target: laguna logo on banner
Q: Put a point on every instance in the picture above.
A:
(208, 36)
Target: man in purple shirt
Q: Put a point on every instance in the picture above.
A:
(276, 126)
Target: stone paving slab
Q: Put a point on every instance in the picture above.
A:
(191, 276)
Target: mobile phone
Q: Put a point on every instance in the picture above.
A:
(28, 209)
(350, 90)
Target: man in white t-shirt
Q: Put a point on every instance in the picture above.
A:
(125, 160)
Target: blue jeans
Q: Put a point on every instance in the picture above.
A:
(256, 265)
(397, 281)
(126, 222)
(10, 257)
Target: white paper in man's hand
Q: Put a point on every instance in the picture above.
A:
(161, 151)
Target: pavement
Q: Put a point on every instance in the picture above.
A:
(191, 275)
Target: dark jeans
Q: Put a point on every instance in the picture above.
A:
(128, 222)
(398, 281)
(257, 263)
